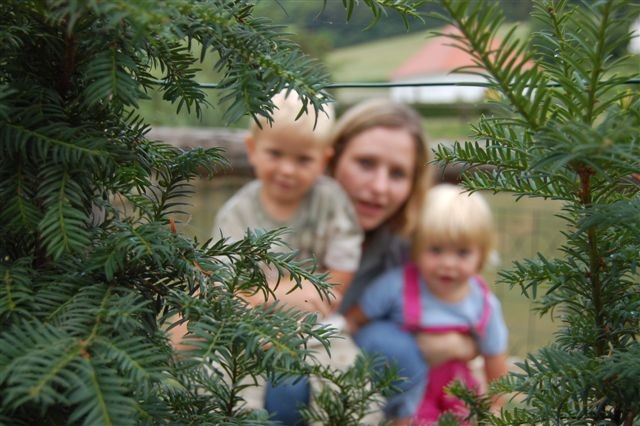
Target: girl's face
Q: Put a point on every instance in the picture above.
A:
(376, 170)
(448, 267)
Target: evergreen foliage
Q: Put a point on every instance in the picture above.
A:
(332, 25)
(568, 129)
(93, 273)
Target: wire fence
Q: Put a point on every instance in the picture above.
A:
(524, 229)
(391, 84)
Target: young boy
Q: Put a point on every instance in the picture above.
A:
(289, 157)
(442, 293)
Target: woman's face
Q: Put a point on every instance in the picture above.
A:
(376, 170)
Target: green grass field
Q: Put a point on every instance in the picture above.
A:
(439, 129)
(373, 61)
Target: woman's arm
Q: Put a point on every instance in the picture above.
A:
(441, 347)
(355, 318)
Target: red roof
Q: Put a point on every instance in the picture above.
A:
(437, 56)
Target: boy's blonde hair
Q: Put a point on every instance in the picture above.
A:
(451, 216)
(309, 125)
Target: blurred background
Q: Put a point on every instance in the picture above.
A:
(356, 52)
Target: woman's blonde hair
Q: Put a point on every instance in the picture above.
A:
(451, 216)
(392, 115)
(288, 115)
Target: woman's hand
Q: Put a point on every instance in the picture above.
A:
(441, 347)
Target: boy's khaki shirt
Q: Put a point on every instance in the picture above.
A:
(325, 227)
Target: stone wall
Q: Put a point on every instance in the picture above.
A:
(230, 140)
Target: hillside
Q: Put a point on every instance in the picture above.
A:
(374, 61)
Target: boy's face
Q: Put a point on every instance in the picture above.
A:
(287, 165)
(447, 267)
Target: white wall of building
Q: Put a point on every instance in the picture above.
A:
(439, 94)
(634, 45)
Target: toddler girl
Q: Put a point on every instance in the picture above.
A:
(440, 291)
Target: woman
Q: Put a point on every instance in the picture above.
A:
(381, 161)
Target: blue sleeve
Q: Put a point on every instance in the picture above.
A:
(383, 298)
(496, 335)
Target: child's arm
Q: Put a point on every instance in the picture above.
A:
(176, 336)
(306, 298)
(439, 348)
(495, 366)
(344, 240)
(494, 348)
(342, 279)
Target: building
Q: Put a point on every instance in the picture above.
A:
(434, 63)
(634, 44)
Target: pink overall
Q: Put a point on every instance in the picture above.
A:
(435, 401)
